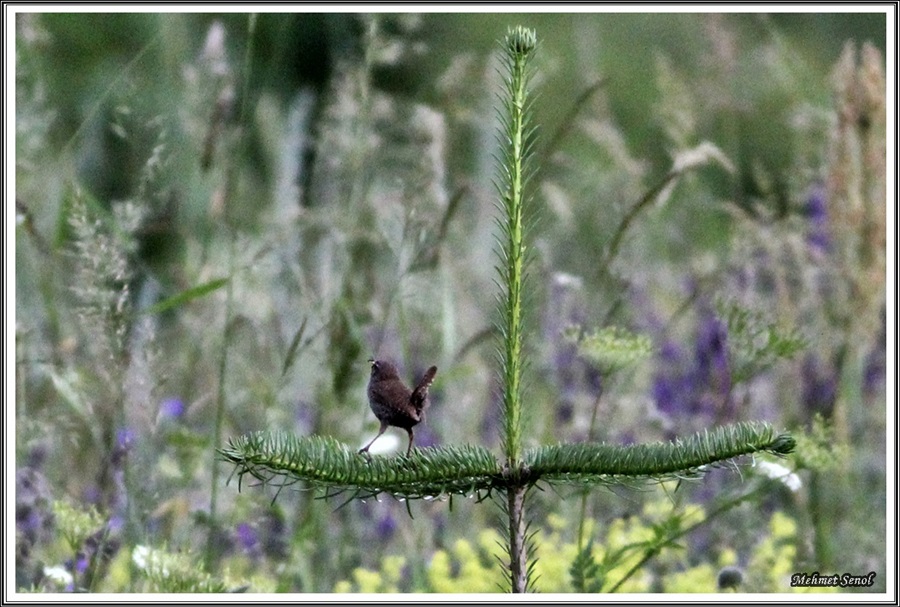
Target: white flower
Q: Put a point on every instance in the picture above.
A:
(139, 556)
(567, 280)
(59, 575)
(150, 560)
(779, 473)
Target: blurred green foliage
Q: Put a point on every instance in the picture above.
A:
(304, 191)
(471, 565)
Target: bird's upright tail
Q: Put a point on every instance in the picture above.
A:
(419, 395)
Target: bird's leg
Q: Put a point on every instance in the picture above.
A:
(408, 449)
(384, 427)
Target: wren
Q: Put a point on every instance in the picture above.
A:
(393, 403)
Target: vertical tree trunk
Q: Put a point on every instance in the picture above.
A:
(518, 557)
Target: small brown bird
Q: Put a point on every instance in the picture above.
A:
(393, 403)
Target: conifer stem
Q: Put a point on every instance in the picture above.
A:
(519, 43)
(518, 568)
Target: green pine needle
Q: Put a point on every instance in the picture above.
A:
(602, 463)
(280, 459)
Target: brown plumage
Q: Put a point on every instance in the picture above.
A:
(393, 403)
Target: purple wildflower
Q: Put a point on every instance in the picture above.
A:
(875, 369)
(124, 439)
(687, 386)
(386, 527)
(36, 457)
(671, 384)
(816, 212)
(247, 539)
(818, 385)
(34, 521)
(874, 373)
(81, 564)
(594, 379)
(713, 370)
(172, 408)
(273, 532)
(116, 524)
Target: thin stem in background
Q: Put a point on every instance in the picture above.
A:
(565, 126)
(669, 540)
(220, 404)
(584, 495)
(229, 305)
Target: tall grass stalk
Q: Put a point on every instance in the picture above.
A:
(221, 392)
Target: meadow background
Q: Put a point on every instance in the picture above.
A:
(220, 218)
